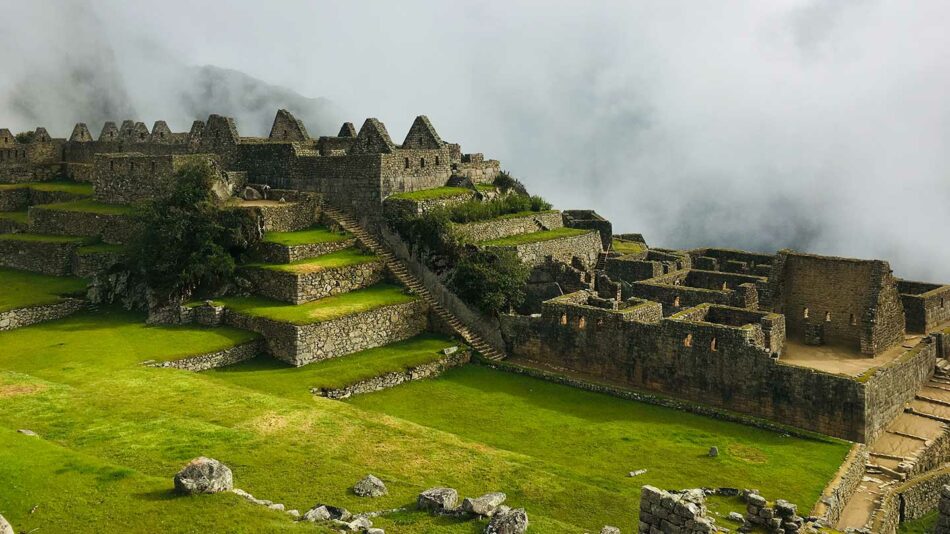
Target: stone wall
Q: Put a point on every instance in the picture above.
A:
(925, 305)
(673, 513)
(914, 499)
(287, 216)
(843, 486)
(20, 198)
(852, 303)
(477, 169)
(298, 288)
(302, 344)
(89, 264)
(585, 246)
(277, 253)
(21, 317)
(400, 207)
(111, 228)
(212, 360)
(894, 384)
(509, 226)
(388, 380)
(38, 256)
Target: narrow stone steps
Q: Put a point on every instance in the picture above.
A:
(405, 277)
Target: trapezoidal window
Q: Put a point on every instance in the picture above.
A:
(725, 286)
(582, 323)
(152, 166)
(712, 345)
(112, 165)
(688, 340)
(563, 318)
(407, 163)
(827, 317)
(853, 320)
(804, 313)
(676, 302)
(437, 162)
(943, 303)
(422, 163)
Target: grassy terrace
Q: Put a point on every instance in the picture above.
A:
(627, 247)
(17, 216)
(100, 248)
(22, 289)
(485, 187)
(90, 206)
(273, 376)
(535, 237)
(112, 433)
(432, 194)
(75, 188)
(306, 237)
(43, 238)
(325, 309)
(341, 258)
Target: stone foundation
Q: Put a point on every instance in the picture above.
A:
(388, 380)
(213, 360)
(21, 317)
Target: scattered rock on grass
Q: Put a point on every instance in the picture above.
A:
(636, 473)
(737, 517)
(485, 505)
(438, 500)
(508, 522)
(5, 527)
(26, 432)
(325, 512)
(370, 486)
(713, 452)
(609, 530)
(204, 475)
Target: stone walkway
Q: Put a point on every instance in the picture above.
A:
(895, 452)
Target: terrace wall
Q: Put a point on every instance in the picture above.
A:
(509, 226)
(298, 288)
(37, 256)
(926, 306)
(213, 360)
(277, 253)
(585, 246)
(21, 317)
(111, 228)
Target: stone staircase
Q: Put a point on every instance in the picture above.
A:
(402, 273)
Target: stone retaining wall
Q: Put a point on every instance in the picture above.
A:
(277, 253)
(388, 380)
(585, 246)
(302, 344)
(896, 383)
(37, 256)
(212, 360)
(911, 500)
(21, 317)
(842, 487)
(87, 265)
(20, 198)
(298, 288)
(111, 228)
(509, 226)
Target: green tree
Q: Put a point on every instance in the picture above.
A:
(493, 281)
(187, 244)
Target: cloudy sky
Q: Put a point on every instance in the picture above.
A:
(821, 126)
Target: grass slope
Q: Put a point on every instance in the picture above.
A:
(324, 309)
(23, 288)
(90, 206)
(317, 234)
(921, 525)
(112, 433)
(534, 237)
(273, 376)
(340, 258)
(433, 194)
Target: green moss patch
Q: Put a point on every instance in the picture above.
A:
(318, 234)
(341, 258)
(432, 194)
(90, 206)
(534, 237)
(325, 309)
(21, 289)
(273, 376)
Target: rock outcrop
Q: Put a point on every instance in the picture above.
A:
(204, 475)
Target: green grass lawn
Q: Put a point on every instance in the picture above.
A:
(273, 376)
(112, 433)
(21, 217)
(627, 247)
(340, 258)
(75, 188)
(486, 187)
(317, 234)
(534, 237)
(90, 206)
(43, 238)
(21, 289)
(324, 309)
(599, 439)
(432, 194)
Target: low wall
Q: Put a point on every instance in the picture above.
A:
(585, 246)
(212, 360)
(21, 317)
(111, 228)
(842, 486)
(298, 288)
(927, 310)
(509, 226)
(302, 344)
(276, 253)
(893, 385)
(388, 380)
(911, 500)
(37, 256)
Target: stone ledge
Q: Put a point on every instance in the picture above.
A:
(394, 378)
(213, 360)
(21, 317)
(302, 287)
(277, 253)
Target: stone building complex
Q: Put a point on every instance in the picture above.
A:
(837, 346)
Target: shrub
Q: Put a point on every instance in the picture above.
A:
(25, 137)
(507, 182)
(492, 281)
(474, 210)
(187, 245)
